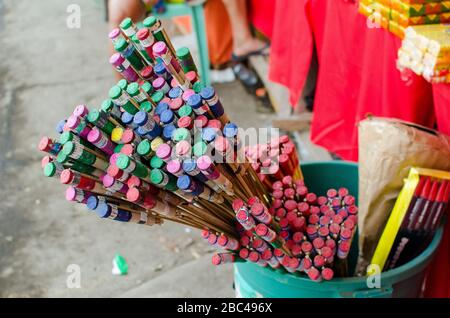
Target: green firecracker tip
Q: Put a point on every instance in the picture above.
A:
(197, 87)
(107, 105)
(93, 116)
(158, 96)
(133, 89)
(144, 147)
(200, 148)
(123, 84)
(156, 176)
(156, 162)
(65, 137)
(146, 106)
(183, 52)
(134, 38)
(276, 244)
(68, 148)
(115, 92)
(123, 161)
(130, 108)
(120, 265)
(172, 185)
(120, 45)
(126, 23)
(147, 87)
(118, 148)
(150, 21)
(185, 110)
(50, 169)
(181, 134)
(62, 157)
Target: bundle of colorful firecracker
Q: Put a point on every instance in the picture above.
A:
(301, 232)
(274, 160)
(162, 148)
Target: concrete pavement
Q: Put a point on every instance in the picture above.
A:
(45, 70)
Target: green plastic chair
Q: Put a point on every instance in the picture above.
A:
(195, 10)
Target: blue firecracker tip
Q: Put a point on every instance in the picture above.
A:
(140, 118)
(127, 118)
(60, 126)
(189, 165)
(159, 68)
(141, 131)
(92, 202)
(195, 101)
(184, 182)
(167, 116)
(103, 210)
(208, 134)
(230, 130)
(175, 92)
(168, 131)
(207, 92)
(160, 108)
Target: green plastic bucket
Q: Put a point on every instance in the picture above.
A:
(253, 281)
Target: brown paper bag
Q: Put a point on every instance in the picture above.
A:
(388, 148)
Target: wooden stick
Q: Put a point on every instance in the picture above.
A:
(223, 228)
(226, 214)
(115, 122)
(214, 220)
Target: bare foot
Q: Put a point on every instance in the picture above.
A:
(247, 47)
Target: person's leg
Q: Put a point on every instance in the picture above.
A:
(219, 33)
(121, 9)
(243, 41)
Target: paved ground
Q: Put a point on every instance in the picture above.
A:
(45, 70)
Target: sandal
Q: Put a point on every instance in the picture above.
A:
(246, 76)
(242, 58)
(253, 85)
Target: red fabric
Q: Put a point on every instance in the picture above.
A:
(291, 47)
(262, 15)
(441, 93)
(357, 73)
(438, 279)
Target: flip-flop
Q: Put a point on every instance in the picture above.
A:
(253, 85)
(246, 76)
(241, 58)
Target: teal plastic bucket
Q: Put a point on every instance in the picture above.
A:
(253, 281)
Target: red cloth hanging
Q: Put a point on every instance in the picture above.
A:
(437, 284)
(441, 93)
(357, 72)
(262, 15)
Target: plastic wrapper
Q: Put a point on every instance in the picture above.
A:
(388, 148)
(417, 213)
